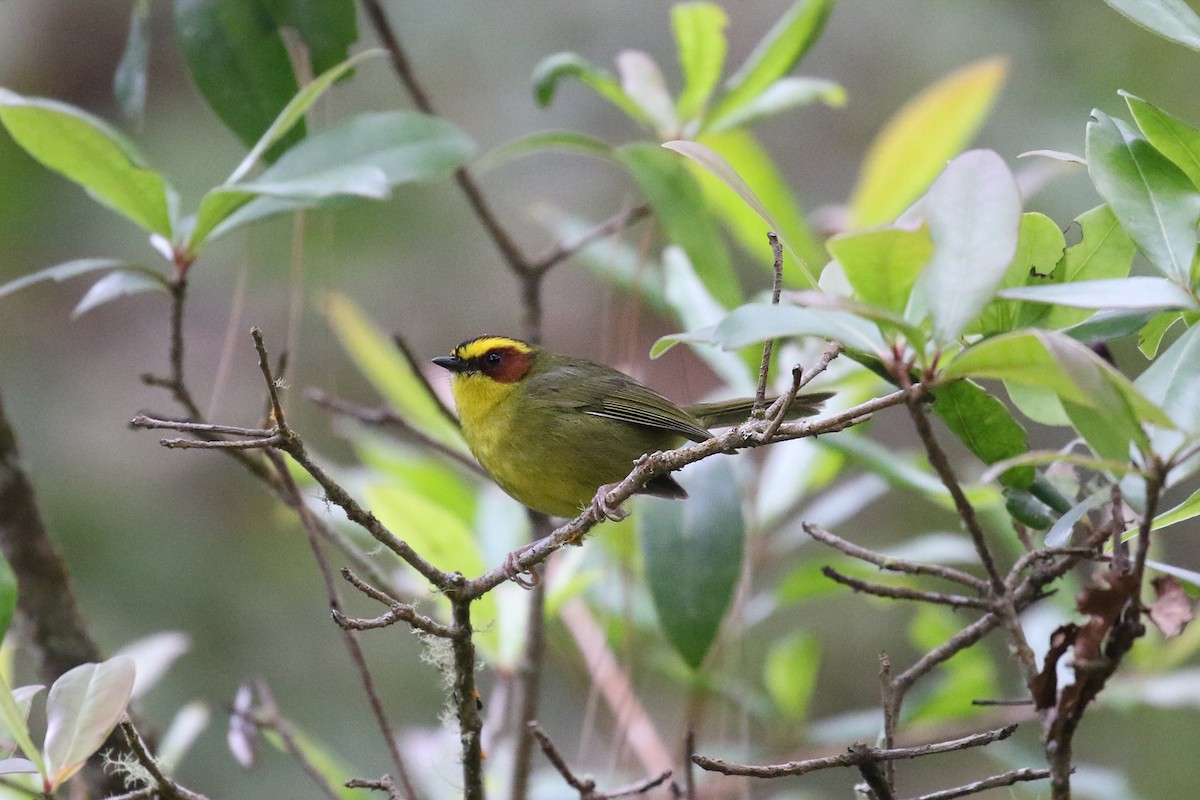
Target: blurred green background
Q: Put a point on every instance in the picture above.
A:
(161, 540)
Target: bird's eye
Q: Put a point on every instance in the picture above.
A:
(492, 359)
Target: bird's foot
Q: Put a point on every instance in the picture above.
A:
(525, 577)
(601, 509)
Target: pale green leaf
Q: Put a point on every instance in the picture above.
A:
(973, 211)
(913, 147)
(699, 29)
(1154, 200)
(296, 108)
(1170, 135)
(882, 264)
(83, 705)
(552, 69)
(750, 160)
(678, 204)
(1170, 19)
(116, 284)
(89, 152)
(719, 167)
(776, 53)
(781, 95)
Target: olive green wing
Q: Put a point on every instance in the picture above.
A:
(633, 403)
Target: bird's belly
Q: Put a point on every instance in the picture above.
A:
(557, 469)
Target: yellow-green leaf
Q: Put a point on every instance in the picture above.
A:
(915, 144)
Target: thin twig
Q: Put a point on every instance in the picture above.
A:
(764, 367)
(994, 782)
(906, 593)
(466, 699)
(941, 464)
(879, 784)
(164, 787)
(614, 224)
(853, 757)
(383, 784)
(586, 786)
(778, 411)
(890, 562)
(268, 716)
(310, 524)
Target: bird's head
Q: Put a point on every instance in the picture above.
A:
(489, 360)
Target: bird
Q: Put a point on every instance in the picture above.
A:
(555, 431)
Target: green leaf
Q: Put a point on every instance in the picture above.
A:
(721, 169)
(327, 27)
(1170, 19)
(400, 146)
(392, 375)
(1173, 381)
(8, 596)
(1188, 509)
(238, 59)
(292, 115)
(1152, 333)
(985, 426)
(119, 283)
(751, 161)
(17, 766)
(569, 141)
(554, 68)
(1154, 200)
(882, 264)
(913, 147)
(973, 211)
(84, 704)
(1102, 404)
(643, 83)
(61, 272)
(781, 95)
(757, 322)
(89, 152)
(776, 54)
(14, 714)
(129, 81)
(790, 673)
(692, 551)
(1155, 294)
(1040, 246)
(1105, 326)
(1170, 135)
(700, 41)
(1104, 251)
(679, 206)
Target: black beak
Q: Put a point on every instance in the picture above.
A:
(451, 363)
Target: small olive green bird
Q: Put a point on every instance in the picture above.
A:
(552, 429)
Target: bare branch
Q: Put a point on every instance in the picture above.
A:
(892, 563)
(383, 784)
(905, 593)
(994, 782)
(764, 367)
(854, 756)
(164, 787)
(586, 786)
(778, 411)
(614, 224)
